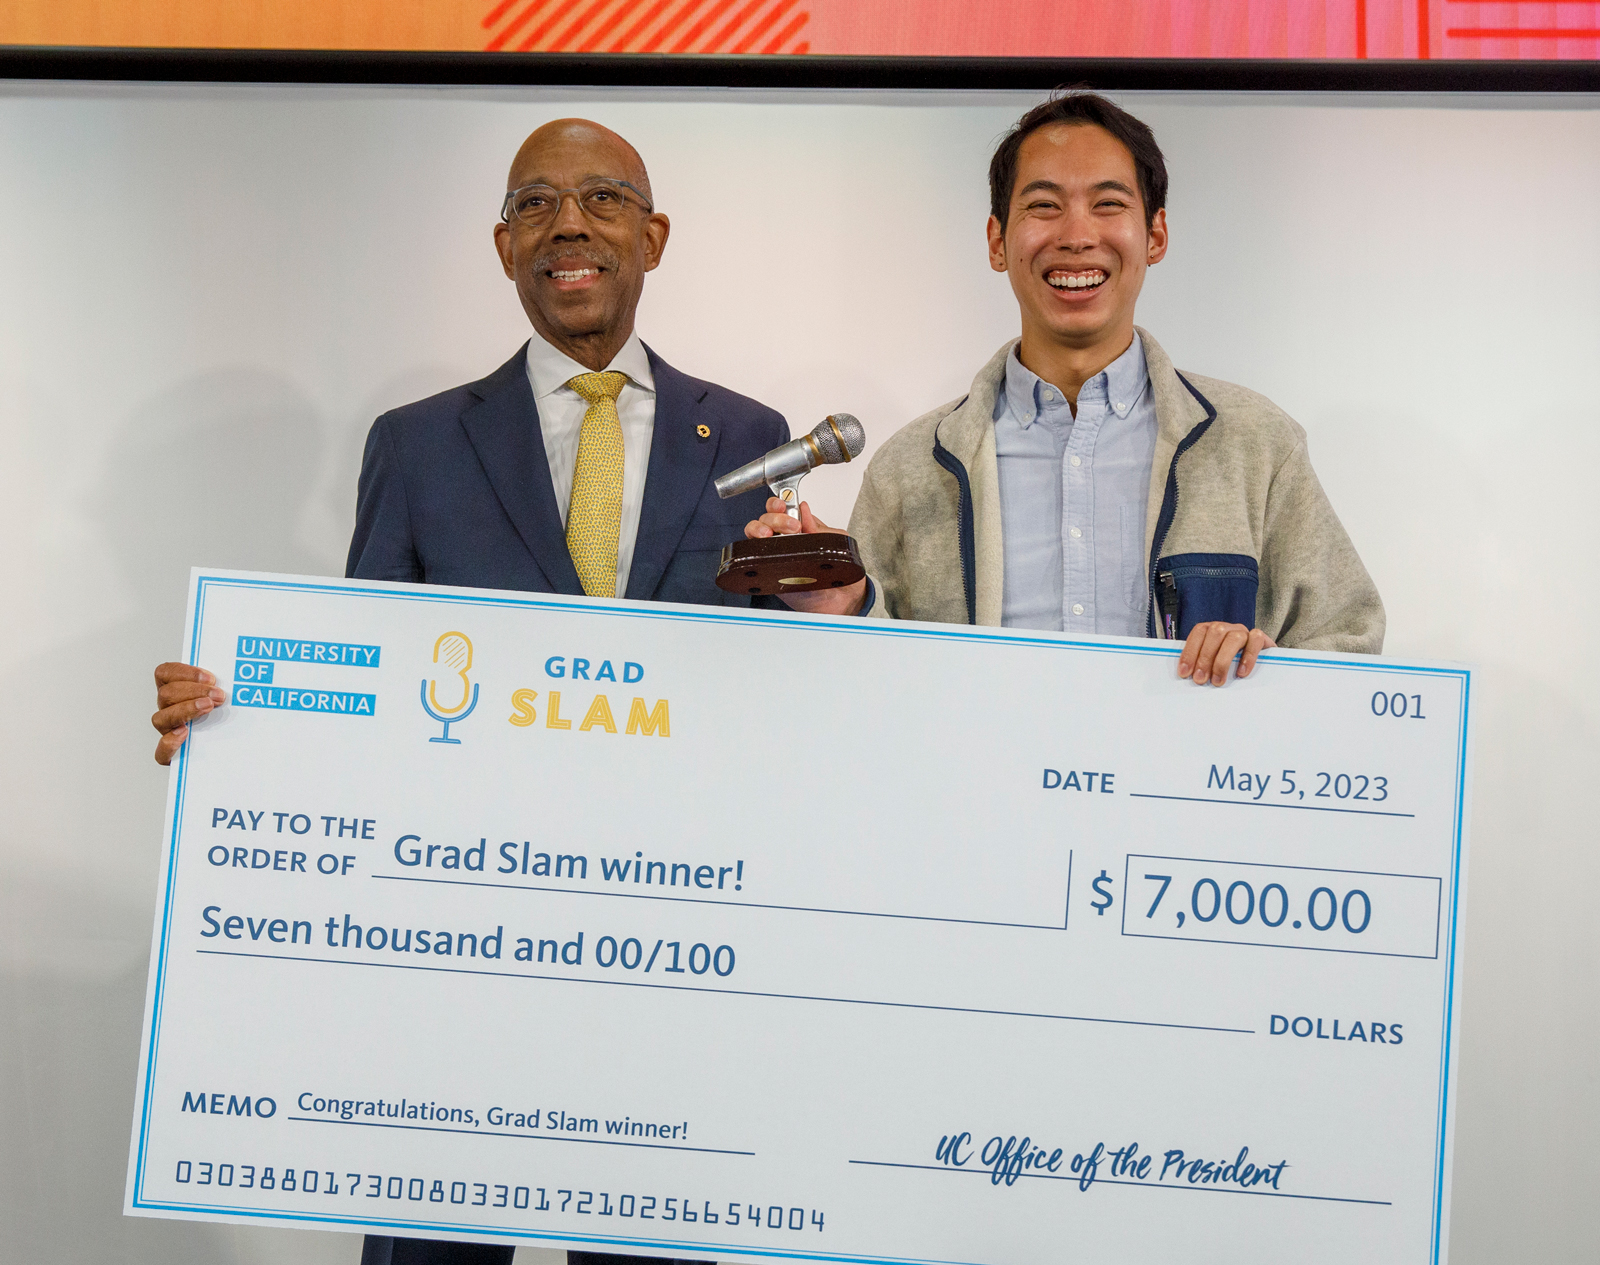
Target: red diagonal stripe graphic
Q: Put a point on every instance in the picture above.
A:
(574, 17)
(516, 24)
(699, 28)
(496, 13)
(643, 24)
(609, 25)
(763, 26)
(559, 44)
(670, 25)
(543, 29)
(787, 34)
(739, 19)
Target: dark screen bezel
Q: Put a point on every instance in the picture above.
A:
(297, 66)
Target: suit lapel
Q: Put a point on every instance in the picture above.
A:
(680, 464)
(503, 429)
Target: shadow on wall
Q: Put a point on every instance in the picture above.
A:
(229, 469)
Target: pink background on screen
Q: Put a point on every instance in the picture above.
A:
(1055, 28)
(1207, 28)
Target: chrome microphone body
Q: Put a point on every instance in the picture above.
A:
(837, 438)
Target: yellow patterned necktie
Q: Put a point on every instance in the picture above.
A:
(594, 516)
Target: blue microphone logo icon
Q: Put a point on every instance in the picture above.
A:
(453, 651)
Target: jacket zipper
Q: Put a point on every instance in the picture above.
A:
(1169, 605)
(1210, 573)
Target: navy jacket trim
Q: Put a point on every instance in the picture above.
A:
(966, 532)
(1169, 501)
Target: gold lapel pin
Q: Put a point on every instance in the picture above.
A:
(703, 431)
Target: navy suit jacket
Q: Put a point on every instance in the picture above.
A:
(456, 489)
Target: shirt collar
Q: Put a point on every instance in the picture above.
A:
(1119, 385)
(1127, 378)
(550, 368)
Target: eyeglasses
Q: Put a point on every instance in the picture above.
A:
(600, 198)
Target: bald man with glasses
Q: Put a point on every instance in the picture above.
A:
(583, 465)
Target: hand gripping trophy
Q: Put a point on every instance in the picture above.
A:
(793, 563)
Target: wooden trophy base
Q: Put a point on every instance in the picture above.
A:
(790, 564)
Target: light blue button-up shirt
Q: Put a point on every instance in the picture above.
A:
(1072, 498)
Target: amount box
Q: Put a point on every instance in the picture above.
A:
(1281, 906)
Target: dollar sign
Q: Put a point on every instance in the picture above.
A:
(1102, 900)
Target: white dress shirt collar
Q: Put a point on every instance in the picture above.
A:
(561, 412)
(550, 368)
(1119, 385)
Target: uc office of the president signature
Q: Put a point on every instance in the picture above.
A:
(1008, 1158)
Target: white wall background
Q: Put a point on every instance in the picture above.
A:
(206, 294)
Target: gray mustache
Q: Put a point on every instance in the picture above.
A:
(604, 258)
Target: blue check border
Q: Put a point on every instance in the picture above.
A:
(204, 583)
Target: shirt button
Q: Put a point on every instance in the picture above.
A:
(1077, 608)
(1077, 461)
(1075, 533)
(1049, 394)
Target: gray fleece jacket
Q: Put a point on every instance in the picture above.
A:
(1237, 526)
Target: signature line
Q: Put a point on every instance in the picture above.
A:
(1112, 1181)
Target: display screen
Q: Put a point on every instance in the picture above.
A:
(1537, 30)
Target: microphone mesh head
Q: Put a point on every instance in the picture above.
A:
(827, 441)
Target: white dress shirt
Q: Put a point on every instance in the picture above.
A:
(561, 411)
(1073, 488)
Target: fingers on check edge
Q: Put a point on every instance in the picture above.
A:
(1232, 643)
(1191, 652)
(171, 673)
(1211, 647)
(1206, 660)
(171, 718)
(1258, 642)
(1203, 652)
(169, 743)
(186, 691)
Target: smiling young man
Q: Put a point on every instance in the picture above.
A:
(1084, 484)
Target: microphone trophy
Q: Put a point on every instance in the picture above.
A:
(793, 563)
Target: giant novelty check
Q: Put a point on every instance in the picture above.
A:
(720, 934)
